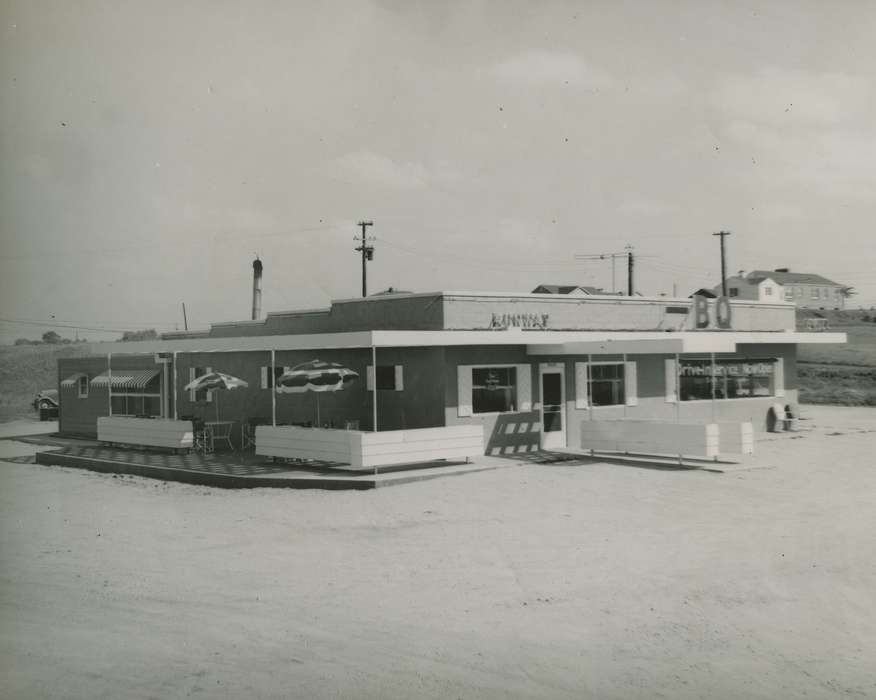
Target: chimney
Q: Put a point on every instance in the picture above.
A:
(782, 269)
(256, 289)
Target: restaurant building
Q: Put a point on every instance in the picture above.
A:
(529, 368)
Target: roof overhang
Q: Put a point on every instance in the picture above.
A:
(537, 342)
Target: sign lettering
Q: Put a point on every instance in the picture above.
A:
(522, 320)
(724, 368)
(723, 317)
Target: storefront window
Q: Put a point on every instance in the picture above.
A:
(139, 401)
(731, 379)
(494, 389)
(202, 395)
(136, 405)
(607, 384)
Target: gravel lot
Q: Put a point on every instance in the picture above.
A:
(531, 581)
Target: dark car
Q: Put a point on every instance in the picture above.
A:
(46, 402)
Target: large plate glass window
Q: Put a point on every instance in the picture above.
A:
(494, 389)
(730, 379)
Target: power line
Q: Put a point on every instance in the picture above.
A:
(80, 326)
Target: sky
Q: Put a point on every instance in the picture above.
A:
(149, 150)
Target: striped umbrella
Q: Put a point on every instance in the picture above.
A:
(317, 376)
(214, 381)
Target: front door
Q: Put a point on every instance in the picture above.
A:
(553, 407)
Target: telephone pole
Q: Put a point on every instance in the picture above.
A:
(630, 285)
(723, 234)
(367, 253)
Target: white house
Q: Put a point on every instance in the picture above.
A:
(805, 290)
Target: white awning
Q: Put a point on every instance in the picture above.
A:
(72, 380)
(126, 378)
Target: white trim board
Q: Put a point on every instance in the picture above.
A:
(537, 342)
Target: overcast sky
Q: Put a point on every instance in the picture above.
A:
(150, 149)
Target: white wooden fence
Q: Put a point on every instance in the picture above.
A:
(364, 449)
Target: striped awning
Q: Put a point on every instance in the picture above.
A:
(72, 380)
(126, 378)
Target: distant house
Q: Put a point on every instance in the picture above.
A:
(806, 290)
(701, 292)
(574, 290)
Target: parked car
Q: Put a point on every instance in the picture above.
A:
(46, 402)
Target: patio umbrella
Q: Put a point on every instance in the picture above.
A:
(214, 381)
(317, 376)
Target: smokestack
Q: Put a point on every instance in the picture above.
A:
(256, 289)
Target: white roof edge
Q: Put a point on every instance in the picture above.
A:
(602, 297)
(701, 340)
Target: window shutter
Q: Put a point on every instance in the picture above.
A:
(631, 383)
(369, 378)
(399, 378)
(582, 370)
(264, 382)
(780, 376)
(671, 377)
(209, 393)
(524, 387)
(191, 379)
(463, 390)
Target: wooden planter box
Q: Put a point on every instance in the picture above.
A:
(148, 432)
(651, 437)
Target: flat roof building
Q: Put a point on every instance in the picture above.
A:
(529, 368)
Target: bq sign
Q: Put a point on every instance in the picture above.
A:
(723, 316)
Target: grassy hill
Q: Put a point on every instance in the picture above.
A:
(25, 369)
(839, 374)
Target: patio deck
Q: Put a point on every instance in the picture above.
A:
(237, 470)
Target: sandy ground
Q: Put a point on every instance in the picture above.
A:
(21, 427)
(536, 581)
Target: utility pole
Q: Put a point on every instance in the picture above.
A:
(723, 234)
(185, 318)
(604, 256)
(367, 253)
(630, 285)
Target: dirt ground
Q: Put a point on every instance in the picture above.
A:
(568, 580)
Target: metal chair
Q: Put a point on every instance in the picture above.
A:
(220, 432)
(247, 433)
(202, 442)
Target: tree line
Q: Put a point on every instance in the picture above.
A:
(53, 338)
